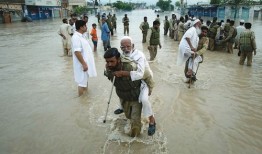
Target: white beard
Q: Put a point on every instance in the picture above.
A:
(198, 30)
(127, 54)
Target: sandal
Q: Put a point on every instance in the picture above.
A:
(151, 129)
(118, 111)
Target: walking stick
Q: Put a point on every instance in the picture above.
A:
(190, 80)
(109, 98)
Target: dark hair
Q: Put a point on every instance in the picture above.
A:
(214, 19)
(156, 22)
(201, 20)
(73, 15)
(64, 20)
(204, 28)
(248, 25)
(228, 20)
(80, 23)
(232, 22)
(112, 52)
(93, 24)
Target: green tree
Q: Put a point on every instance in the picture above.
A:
(215, 1)
(164, 4)
(123, 6)
(177, 4)
(81, 9)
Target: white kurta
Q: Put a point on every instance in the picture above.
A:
(65, 29)
(240, 29)
(79, 43)
(184, 49)
(142, 66)
(143, 71)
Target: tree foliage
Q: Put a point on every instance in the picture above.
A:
(165, 5)
(215, 1)
(123, 6)
(81, 9)
(177, 4)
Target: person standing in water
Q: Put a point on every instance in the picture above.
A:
(83, 58)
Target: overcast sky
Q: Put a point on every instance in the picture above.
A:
(190, 2)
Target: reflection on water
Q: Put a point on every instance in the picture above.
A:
(41, 113)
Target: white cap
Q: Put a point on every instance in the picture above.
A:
(196, 21)
(242, 21)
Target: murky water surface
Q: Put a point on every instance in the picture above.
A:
(41, 113)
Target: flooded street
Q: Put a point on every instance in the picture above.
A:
(41, 113)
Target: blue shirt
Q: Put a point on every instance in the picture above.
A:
(105, 32)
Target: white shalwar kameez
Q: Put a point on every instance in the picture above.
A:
(79, 43)
(65, 29)
(143, 70)
(184, 48)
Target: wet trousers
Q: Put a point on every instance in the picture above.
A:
(212, 44)
(171, 33)
(144, 99)
(153, 51)
(126, 30)
(244, 55)
(175, 35)
(132, 110)
(180, 35)
(165, 31)
(144, 37)
(106, 44)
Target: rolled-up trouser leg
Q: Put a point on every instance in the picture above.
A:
(194, 65)
(132, 111)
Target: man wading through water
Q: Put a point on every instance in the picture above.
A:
(127, 90)
(153, 39)
(83, 58)
(189, 43)
(143, 72)
(191, 66)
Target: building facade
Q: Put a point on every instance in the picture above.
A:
(42, 9)
(15, 10)
(11, 10)
(248, 13)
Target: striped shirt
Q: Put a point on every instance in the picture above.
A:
(247, 41)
